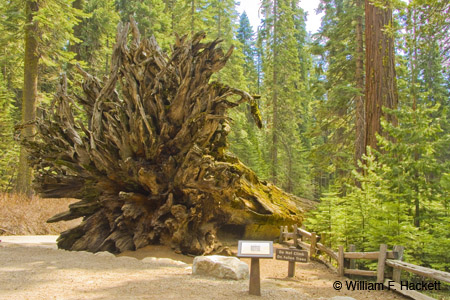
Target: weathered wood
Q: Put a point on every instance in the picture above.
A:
(408, 293)
(397, 273)
(341, 261)
(368, 255)
(427, 272)
(291, 269)
(312, 249)
(323, 260)
(360, 272)
(352, 262)
(381, 263)
(287, 234)
(328, 251)
(255, 281)
(295, 238)
(149, 163)
(304, 233)
(303, 245)
(280, 239)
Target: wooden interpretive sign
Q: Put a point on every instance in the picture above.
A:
(255, 250)
(292, 255)
(260, 249)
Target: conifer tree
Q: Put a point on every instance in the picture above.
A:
(96, 34)
(246, 37)
(286, 98)
(8, 148)
(381, 82)
(30, 93)
(340, 117)
(245, 138)
(152, 18)
(48, 27)
(11, 85)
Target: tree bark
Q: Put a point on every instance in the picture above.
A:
(30, 92)
(412, 22)
(153, 167)
(192, 17)
(360, 115)
(381, 84)
(275, 97)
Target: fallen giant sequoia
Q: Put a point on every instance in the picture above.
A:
(150, 165)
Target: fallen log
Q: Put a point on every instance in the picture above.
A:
(146, 153)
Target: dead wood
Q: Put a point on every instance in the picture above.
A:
(149, 163)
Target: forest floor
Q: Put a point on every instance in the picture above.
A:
(21, 215)
(32, 268)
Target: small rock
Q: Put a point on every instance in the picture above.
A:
(342, 298)
(165, 262)
(220, 266)
(104, 254)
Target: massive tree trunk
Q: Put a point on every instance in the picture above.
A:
(150, 166)
(381, 84)
(30, 91)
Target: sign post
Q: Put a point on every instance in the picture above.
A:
(254, 287)
(292, 255)
(291, 269)
(255, 250)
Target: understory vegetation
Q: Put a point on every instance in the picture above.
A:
(21, 215)
(311, 88)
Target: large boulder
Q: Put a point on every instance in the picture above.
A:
(220, 266)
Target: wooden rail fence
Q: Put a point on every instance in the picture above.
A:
(346, 261)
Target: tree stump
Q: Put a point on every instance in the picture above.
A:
(147, 156)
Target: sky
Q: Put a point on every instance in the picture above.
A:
(251, 7)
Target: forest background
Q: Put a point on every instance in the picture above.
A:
(314, 99)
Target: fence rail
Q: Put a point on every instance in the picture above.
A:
(346, 260)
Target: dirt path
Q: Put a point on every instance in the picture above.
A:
(38, 271)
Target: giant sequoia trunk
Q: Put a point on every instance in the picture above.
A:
(381, 82)
(150, 163)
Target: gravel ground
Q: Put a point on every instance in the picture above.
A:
(32, 268)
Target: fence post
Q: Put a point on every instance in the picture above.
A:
(286, 230)
(280, 240)
(381, 263)
(397, 273)
(352, 263)
(341, 261)
(295, 235)
(312, 249)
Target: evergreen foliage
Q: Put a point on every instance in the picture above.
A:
(246, 37)
(397, 195)
(335, 44)
(285, 100)
(8, 148)
(309, 91)
(402, 198)
(97, 34)
(151, 16)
